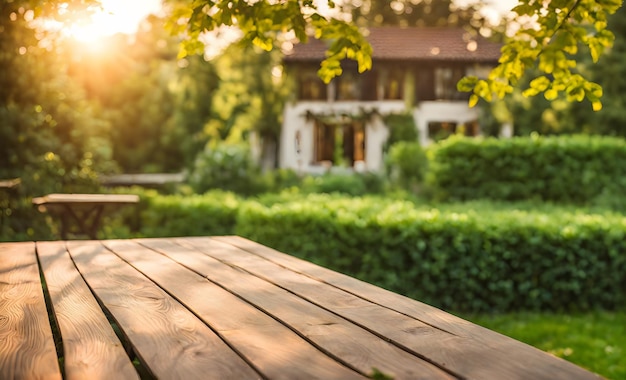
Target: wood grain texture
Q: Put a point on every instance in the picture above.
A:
(26, 345)
(479, 354)
(341, 339)
(87, 199)
(168, 338)
(229, 308)
(276, 351)
(91, 349)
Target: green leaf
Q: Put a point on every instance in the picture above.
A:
(551, 94)
(593, 90)
(577, 93)
(597, 106)
(555, 4)
(264, 43)
(547, 61)
(467, 84)
(524, 9)
(473, 100)
(540, 84)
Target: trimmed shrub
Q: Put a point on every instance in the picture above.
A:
(212, 213)
(226, 167)
(401, 128)
(466, 261)
(280, 179)
(406, 164)
(573, 169)
(472, 256)
(354, 184)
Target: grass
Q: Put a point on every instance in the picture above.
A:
(595, 340)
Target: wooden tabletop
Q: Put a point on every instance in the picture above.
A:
(229, 308)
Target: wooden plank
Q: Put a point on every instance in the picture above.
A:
(171, 341)
(341, 339)
(142, 179)
(10, 183)
(481, 353)
(26, 344)
(91, 350)
(87, 199)
(275, 350)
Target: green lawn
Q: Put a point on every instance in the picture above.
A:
(595, 340)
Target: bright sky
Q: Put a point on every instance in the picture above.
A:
(124, 16)
(117, 16)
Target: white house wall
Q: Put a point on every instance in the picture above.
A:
(295, 120)
(456, 112)
(376, 133)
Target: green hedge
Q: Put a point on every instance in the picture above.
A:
(473, 256)
(158, 215)
(468, 261)
(564, 168)
(212, 213)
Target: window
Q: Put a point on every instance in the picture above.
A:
(369, 83)
(394, 85)
(424, 84)
(348, 86)
(359, 143)
(471, 129)
(353, 143)
(438, 131)
(441, 130)
(324, 142)
(446, 79)
(340, 143)
(311, 87)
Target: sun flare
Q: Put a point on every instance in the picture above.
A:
(115, 16)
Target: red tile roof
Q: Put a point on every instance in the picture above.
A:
(395, 43)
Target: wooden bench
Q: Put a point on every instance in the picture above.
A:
(143, 179)
(10, 183)
(229, 308)
(82, 213)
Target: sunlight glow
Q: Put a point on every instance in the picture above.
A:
(115, 16)
(494, 9)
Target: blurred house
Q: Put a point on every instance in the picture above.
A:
(414, 70)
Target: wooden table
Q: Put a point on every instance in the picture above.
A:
(84, 212)
(228, 308)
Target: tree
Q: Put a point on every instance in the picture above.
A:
(547, 40)
(140, 103)
(134, 84)
(49, 135)
(610, 73)
(385, 12)
(197, 81)
(558, 116)
(250, 98)
(413, 13)
(264, 22)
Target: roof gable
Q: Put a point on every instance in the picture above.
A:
(412, 44)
